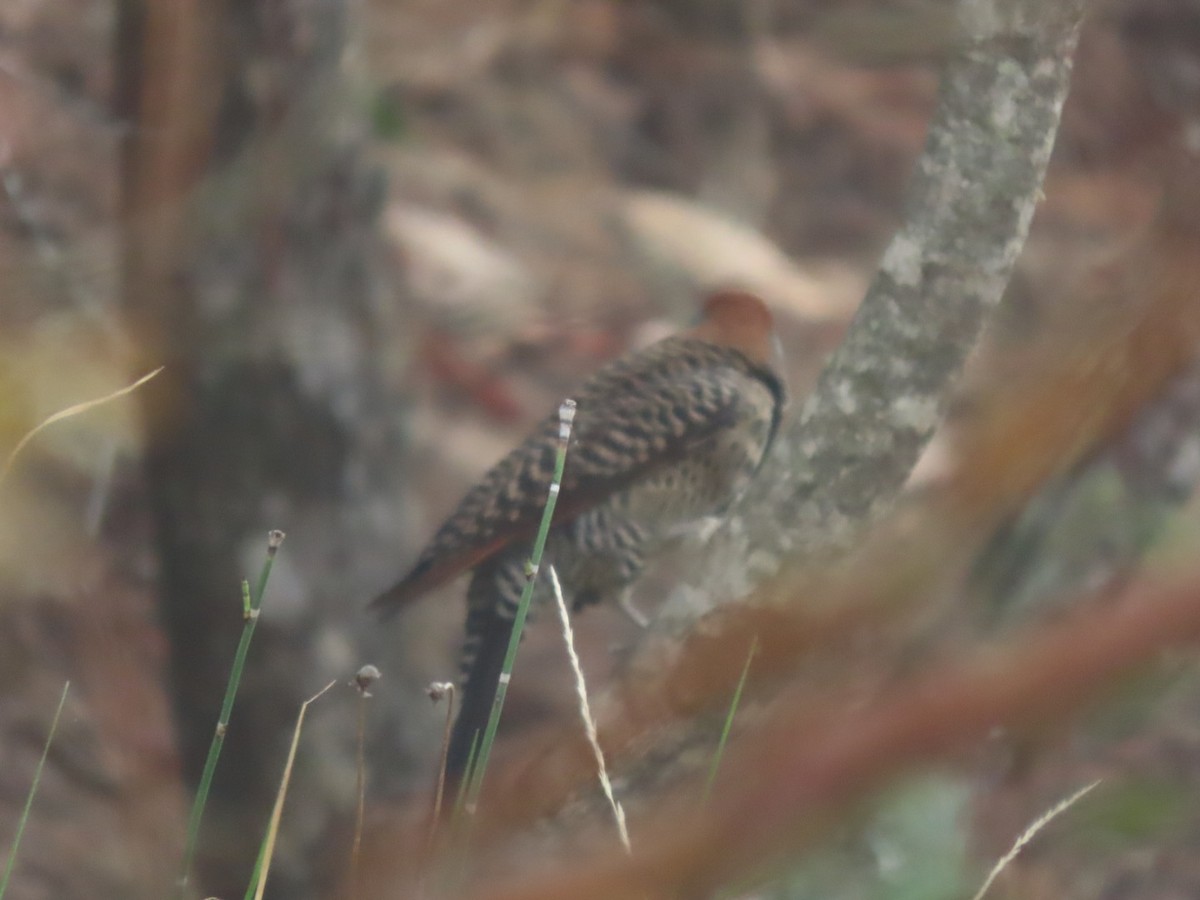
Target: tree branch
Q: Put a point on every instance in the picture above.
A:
(850, 450)
(783, 792)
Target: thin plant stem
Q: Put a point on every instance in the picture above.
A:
(443, 689)
(37, 777)
(73, 410)
(585, 712)
(251, 606)
(360, 788)
(566, 415)
(727, 728)
(366, 676)
(1029, 833)
(439, 691)
(262, 868)
(460, 796)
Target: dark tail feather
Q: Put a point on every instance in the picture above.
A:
(479, 692)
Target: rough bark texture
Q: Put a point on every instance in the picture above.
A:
(249, 271)
(855, 440)
(1124, 381)
(249, 274)
(846, 456)
(853, 445)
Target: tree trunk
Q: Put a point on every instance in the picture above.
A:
(250, 273)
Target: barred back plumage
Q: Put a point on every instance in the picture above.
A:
(662, 438)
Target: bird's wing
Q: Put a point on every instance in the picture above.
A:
(633, 417)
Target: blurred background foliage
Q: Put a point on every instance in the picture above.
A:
(372, 240)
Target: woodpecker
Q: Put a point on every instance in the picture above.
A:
(663, 438)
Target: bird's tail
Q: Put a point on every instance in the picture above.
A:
(479, 688)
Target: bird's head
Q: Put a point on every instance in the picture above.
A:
(741, 320)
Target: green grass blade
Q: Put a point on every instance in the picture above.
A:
(251, 605)
(460, 797)
(37, 777)
(728, 726)
(566, 414)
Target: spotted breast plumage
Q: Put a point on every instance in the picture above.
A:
(663, 437)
